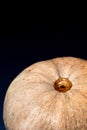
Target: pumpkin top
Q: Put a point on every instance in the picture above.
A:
(62, 84)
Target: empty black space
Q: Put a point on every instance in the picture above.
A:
(20, 48)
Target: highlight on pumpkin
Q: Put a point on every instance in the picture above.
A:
(62, 84)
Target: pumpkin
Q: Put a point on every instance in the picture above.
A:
(48, 95)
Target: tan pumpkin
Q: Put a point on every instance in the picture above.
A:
(48, 95)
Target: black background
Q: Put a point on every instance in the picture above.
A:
(21, 47)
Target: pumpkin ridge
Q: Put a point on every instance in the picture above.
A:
(85, 96)
(75, 68)
(80, 76)
(45, 76)
(40, 74)
(55, 66)
(73, 118)
(66, 111)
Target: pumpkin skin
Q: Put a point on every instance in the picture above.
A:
(33, 103)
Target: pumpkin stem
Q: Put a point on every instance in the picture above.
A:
(62, 84)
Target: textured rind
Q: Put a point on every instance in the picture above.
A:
(32, 103)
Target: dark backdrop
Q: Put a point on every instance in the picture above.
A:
(23, 47)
